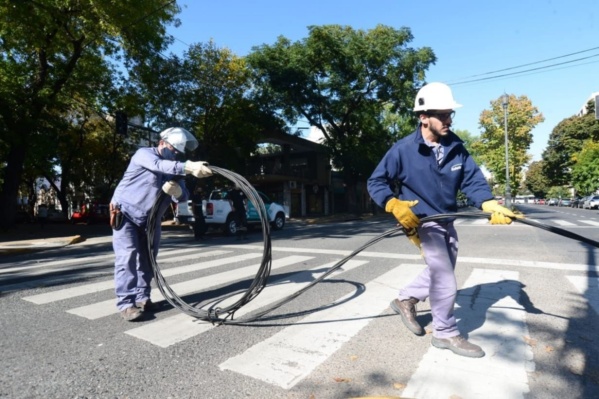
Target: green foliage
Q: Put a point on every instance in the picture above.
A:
(54, 54)
(567, 139)
(340, 80)
(521, 120)
(585, 171)
(536, 181)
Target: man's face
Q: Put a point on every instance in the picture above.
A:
(438, 121)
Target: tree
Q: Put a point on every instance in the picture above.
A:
(207, 90)
(567, 139)
(339, 80)
(52, 49)
(585, 171)
(536, 181)
(522, 118)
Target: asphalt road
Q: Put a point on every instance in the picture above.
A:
(530, 298)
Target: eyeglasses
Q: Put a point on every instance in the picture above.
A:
(443, 116)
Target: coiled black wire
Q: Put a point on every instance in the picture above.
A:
(216, 315)
(225, 315)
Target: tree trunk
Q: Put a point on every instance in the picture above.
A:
(10, 187)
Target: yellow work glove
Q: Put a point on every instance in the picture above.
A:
(198, 169)
(499, 214)
(172, 188)
(402, 212)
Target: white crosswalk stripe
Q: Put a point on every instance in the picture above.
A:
(290, 355)
(109, 284)
(491, 296)
(174, 329)
(106, 308)
(589, 288)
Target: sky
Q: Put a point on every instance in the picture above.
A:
(471, 40)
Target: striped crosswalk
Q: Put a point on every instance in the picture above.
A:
(488, 310)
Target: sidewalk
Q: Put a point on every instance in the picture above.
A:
(32, 237)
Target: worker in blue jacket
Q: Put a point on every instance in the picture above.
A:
(420, 176)
(150, 171)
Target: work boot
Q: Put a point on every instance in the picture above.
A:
(131, 314)
(458, 345)
(407, 310)
(146, 306)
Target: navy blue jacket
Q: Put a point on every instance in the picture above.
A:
(411, 166)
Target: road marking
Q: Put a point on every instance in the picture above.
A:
(174, 329)
(494, 319)
(83, 259)
(563, 223)
(461, 259)
(292, 354)
(107, 308)
(592, 223)
(73, 292)
(589, 288)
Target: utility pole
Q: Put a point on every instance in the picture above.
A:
(508, 194)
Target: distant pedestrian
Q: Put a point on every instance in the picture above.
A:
(42, 215)
(238, 201)
(199, 225)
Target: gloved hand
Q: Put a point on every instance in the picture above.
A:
(402, 212)
(172, 188)
(198, 169)
(499, 214)
(414, 238)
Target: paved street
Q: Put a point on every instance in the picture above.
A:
(528, 297)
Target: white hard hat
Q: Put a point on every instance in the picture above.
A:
(179, 138)
(434, 96)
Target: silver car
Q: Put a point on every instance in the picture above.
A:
(591, 202)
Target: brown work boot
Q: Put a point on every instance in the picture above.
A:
(146, 306)
(458, 345)
(407, 310)
(131, 314)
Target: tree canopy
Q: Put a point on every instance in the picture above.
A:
(522, 117)
(54, 54)
(339, 79)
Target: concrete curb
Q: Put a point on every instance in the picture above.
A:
(27, 246)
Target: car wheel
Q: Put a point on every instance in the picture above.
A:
(230, 227)
(279, 221)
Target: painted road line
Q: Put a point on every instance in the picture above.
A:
(81, 259)
(461, 259)
(292, 354)
(589, 288)
(493, 318)
(175, 329)
(72, 292)
(563, 223)
(590, 222)
(107, 308)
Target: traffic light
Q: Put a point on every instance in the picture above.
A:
(121, 123)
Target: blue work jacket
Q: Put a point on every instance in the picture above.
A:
(142, 183)
(410, 168)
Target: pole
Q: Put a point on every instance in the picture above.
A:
(508, 193)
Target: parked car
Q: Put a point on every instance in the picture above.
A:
(552, 202)
(564, 202)
(93, 213)
(220, 215)
(592, 202)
